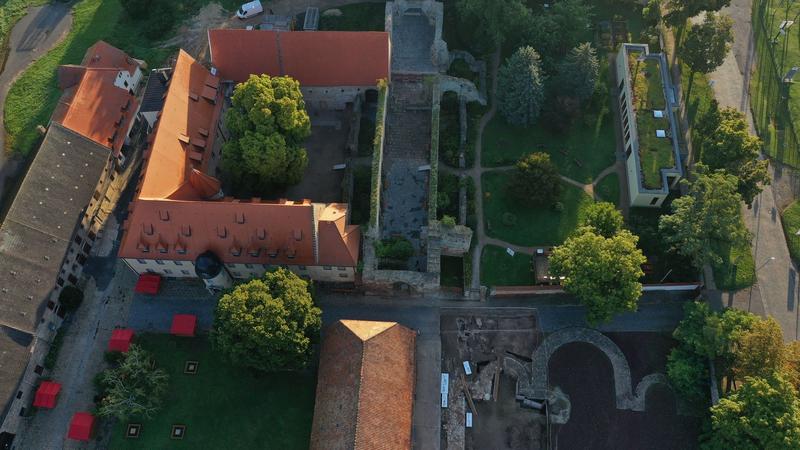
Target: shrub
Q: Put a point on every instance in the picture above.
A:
(558, 207)
(397, 248)
(70, 298)
(535, 180)
(448, 221)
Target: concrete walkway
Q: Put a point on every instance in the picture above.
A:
(33, 36)
(775, 271)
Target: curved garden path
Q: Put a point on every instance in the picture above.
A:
(478, 170)
(33, 36)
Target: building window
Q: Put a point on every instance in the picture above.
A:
(326, 267)
(81, 259)
(141, 261)
(236, 274)
(72, 279)
(96, 195)
(78, 240)
(342, 268)
(87, 247)
(342, 275)
(167, 272)
(159, 262)
(92, 235)
(185, 272)
(60, 281)
(654, 201)
(162, 250)
(249, 266)
(178, 263)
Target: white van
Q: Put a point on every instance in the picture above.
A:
(250, 9)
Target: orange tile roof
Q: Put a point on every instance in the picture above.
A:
(365, 388)
(321, 58)
(175, 216)
(91, 105)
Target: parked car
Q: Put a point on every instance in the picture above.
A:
(250, 9)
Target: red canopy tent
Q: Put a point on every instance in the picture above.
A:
(120, 340)
(183, 325)
(148, 283)
(81, 427)
(46, 395)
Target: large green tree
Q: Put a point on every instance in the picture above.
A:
(559, 28)
(602, 272)
(705, 219)
(520, 84)
(577, 73)
(604, 217)
(763, 414)
(726, 143)
(268, 323)
(535, 180)
(679, 11)
(135, 388)
(268, 124)
(707, 43)
(493, 22)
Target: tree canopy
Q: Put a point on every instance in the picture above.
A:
(726, 143)
(559, 28)
(604, 217)
(70, 298)
(707, 43)
(268, 124)
(679, 11)
(578, 72)
(535, 180)
(520, 83)
(763, 414)
(268, 323)
(602, 272)
(708, 216)
(135, 388)
(493, 21)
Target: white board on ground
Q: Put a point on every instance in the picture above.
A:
(467, 368)
(509, 251)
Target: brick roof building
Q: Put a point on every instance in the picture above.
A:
(180, 211)
(365, 388)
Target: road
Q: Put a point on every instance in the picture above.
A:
(656, 313)
(33, 36)
(776, 289)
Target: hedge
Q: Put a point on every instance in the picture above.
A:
(433, 182)
(377, 154)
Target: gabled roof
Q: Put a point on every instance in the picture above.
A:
(321, 58)
(180, 212)
(365, 388)
(91, 105)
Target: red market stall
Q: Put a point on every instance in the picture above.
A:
(148, 283)
(120, 340)
(81, 427)
(47, 395)
(183, 325)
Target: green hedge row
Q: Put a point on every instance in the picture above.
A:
(433, 181)
(377, 154)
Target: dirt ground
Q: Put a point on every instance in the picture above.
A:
(325, 148)
(584, 373)
(483, 339)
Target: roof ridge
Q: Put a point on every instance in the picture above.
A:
(360, 383)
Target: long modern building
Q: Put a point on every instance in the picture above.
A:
(649, 127)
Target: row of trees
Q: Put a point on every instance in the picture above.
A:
(524, 88)
(756, 374)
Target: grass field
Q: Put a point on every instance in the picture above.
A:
(580, 153)
(737, 270)
(355, 17)
(34, 95)
(222, 406)
(452, 274)
(608, 189)
(498, 268)
(791, 225)
(529, 225)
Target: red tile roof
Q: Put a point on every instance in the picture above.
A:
(174, 218)
(91, 105)
(365, 389)
(321, 58)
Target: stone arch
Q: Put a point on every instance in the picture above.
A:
(644, 385)
(619, 364)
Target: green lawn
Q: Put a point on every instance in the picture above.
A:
(222, 406)
(737, 271)
(791, 225)
(34, 95)
(498, 268)
(529, 225)
(581, 153)
(355, 17)
(359, 201)
(608, 189)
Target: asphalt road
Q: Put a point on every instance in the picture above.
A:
(35, 34)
